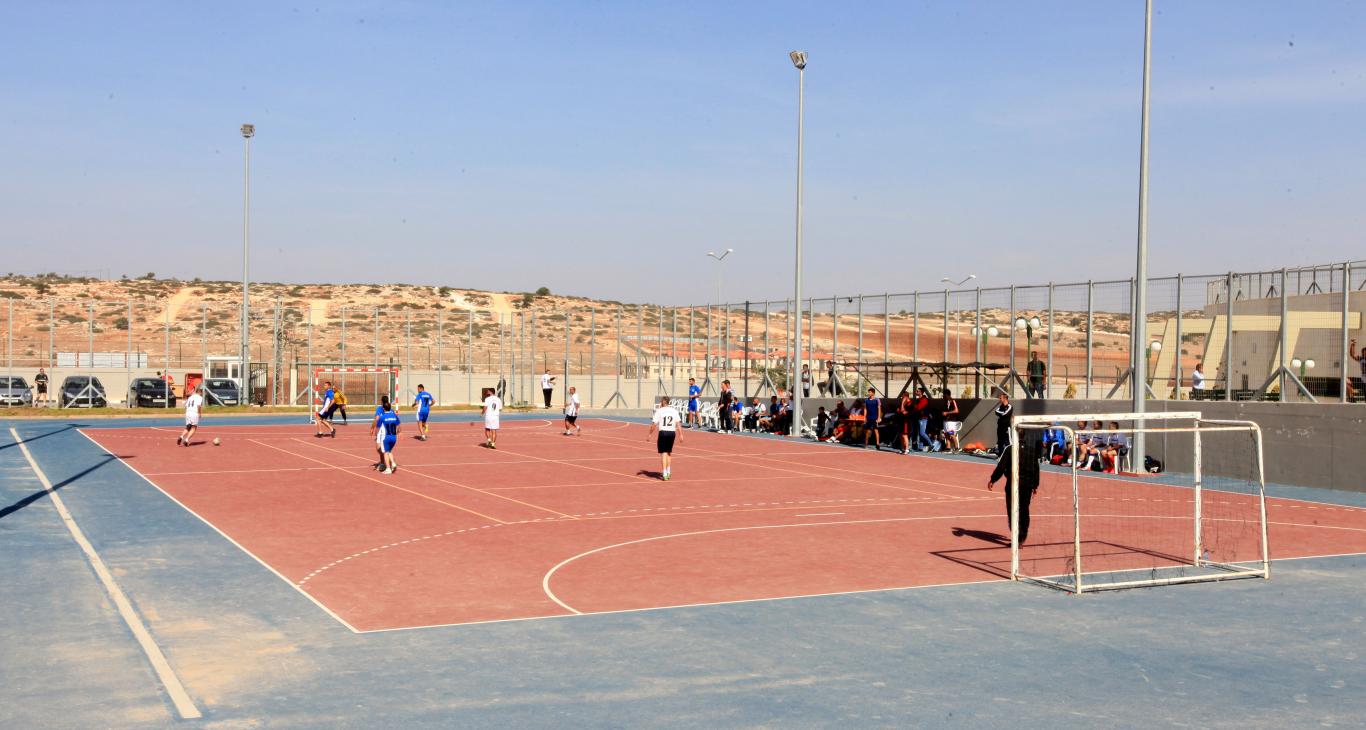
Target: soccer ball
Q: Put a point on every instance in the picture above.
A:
(216, 442)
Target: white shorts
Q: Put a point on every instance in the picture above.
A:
(192, 420)
(491, 423)
(952, 427)
(379, 436)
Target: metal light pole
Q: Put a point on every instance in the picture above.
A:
(719, 269)
(248, 131)
(798, 60)
(1139, 328)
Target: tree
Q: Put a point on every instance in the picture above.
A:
(150, 275)
(543, 291)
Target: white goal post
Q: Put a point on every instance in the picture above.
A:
(1205, 520)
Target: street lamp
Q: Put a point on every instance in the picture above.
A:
(960, 282)
(248, 131)
(799, 61)
(1302, 365)
(983, 335)
(719, 269)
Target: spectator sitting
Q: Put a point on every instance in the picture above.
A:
(766, 423)
(1094, 447)
(1115, 449)
(1054, 442)
(822, 424)
(756, 411)
(782, 420)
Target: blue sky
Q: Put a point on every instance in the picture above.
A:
(602, 148)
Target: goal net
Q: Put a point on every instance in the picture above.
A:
(362, 386)
(1195, 511)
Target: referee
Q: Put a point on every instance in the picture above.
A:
(1029, 482)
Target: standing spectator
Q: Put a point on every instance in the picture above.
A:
(694, 404)
(40, 381)
(724, 409)
(872, 411)
(903, 427)
(951, 423)
(832, 383)
(547, 386)
(920, 411)
(1038, 374)
(806, 380)
(1002, 411)
(1198, 380)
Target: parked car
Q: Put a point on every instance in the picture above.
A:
(14, 391)
(221, 392)
(82, 391)
(150, 393)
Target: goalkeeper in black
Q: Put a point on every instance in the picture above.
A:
(1029, 481)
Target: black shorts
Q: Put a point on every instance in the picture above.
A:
(666, 442)
(327, 414)
(571, 419)
(42, 390)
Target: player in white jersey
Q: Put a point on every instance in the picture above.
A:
(493, 405)
(193, 405)
(571, 413)
(666, 420)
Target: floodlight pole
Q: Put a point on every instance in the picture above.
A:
(248, 131)
(1139, 327)
(798, 60)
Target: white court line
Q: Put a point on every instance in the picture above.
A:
(183, 704)
(225, 535)
(820, 514)
(545, 580)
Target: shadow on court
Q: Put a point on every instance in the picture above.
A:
(34, 497)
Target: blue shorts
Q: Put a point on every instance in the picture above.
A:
(389, 442)
(692, 406)
(422, 416)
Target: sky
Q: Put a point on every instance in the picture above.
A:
(603, 148)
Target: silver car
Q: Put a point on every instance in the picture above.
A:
(14, 391)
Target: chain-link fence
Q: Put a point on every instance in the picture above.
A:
(1279, 335)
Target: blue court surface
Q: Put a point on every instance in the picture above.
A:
(249, 650)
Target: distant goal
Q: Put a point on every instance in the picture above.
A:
(1201, 518)
(362, 386)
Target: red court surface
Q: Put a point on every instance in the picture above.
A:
(549, 525)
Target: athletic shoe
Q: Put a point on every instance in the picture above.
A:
(666, 476)
(334, 434)
(388, 471)
(493, 445)
(178, 440)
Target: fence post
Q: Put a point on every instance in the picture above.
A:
(127, 356)
(858, 357)
(835, 331)
(440, 353)
(887, 343)
(1090, 319)
(1048, 381)
(945, 358)
(979, 339)
(640, 351)
(673, 352)
(592, 353)
(1346, 310)
(469, 360)
(1180, 340)
(1013, 329)
(915, 329)
(1228, 339)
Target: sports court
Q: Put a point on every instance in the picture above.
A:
(280, 559)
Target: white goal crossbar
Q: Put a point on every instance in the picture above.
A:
(1187, 422)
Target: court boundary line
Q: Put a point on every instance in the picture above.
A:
(224, 535)
(180, 698)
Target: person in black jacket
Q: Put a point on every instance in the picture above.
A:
(1029, 481)
(1003, 411)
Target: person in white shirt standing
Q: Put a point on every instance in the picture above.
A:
(547, 386)
(493, 405)
(1198, 377)
(571, 413)
(665, 420)
(193, 405)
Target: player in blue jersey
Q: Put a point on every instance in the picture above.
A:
(377, 433)
(694, 402)
(329, 406)
(388, 426)
(423, 402)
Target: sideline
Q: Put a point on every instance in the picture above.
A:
(183, 704)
